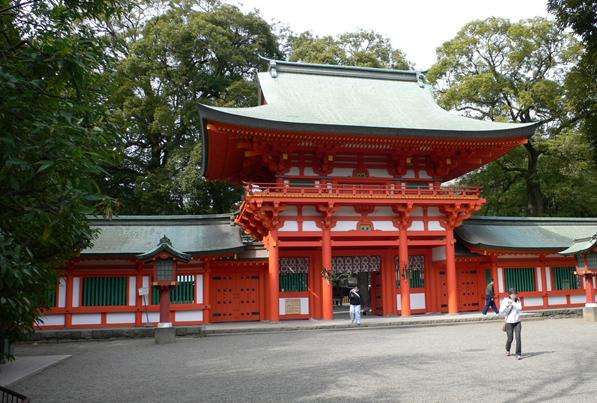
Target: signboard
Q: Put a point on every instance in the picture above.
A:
(292, 306)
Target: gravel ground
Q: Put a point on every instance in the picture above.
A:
(448, 363)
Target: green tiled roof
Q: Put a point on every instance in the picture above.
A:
(341, 99)
(581, 245)
(524, 232)
(194, 234)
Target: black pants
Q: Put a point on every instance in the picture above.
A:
(511, 330)
(489, 303)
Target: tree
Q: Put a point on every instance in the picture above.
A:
(55, 140)
(360, 48)
(503, 71)
(178, 60)
(581, 83)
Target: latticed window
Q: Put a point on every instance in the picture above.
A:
(592, 259)
(104, 291)
(565, 278)
(165, 270)
(182, 293)
(356, 264)
(416, 270)
(294, 274)
(521, 279)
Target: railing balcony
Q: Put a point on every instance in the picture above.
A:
(377, 191)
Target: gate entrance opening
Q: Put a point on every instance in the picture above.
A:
(362, 271)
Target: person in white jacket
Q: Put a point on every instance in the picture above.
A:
(510, 308)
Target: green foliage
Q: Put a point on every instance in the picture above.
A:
(55, 140)
(503, 71)
(360, 48)
(179, 60)
(581, 83)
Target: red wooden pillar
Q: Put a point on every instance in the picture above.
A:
(273, 278)
(69, 299)
(451, 273)
(207, 292)
(404, 280)
(327, 310)
(164, 306)
(388, 285)
(589, 290)
(138, 298)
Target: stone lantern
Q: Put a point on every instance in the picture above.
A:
(165, 260)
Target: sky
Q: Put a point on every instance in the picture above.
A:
(416, 27)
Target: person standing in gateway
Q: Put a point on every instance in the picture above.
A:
(489, 299)
(355, 305)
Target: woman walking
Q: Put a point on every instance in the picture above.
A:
(510, 307)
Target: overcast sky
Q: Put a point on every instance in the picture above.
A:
(416, 27)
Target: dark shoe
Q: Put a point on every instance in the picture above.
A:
(508, 354)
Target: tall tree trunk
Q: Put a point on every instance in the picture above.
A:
(535, 198)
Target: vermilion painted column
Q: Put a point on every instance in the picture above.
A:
(327, 310)
(388, 285)
(164, 305)
(273, 278)
(207, 292)
(404, 280)
(589, 290)
(451, 273)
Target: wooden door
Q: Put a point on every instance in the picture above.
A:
(443, 291)
(235, 297)
(376, 293)
(468, 290)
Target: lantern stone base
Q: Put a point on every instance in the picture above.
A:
(164, 335)
(589, 312)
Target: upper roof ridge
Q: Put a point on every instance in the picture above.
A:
(282, 66)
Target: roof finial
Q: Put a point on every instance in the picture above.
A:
(165, 240)
(272, 69)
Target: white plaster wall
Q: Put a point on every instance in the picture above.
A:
(556, 300)
(132, 290)
(379, 173)
(145, 299)
(435, 226)
(199, 289)
(303, 301)
(289, 225)
(86, 319)
(294, 171)
(346, 211)
(409, 174)
(417, 226)
(438, 253)
(345, 226)
(548, 279)
(150, 317)
(417, 301)
(384, 226)
(120, 317)
(423, 174)
(539, 279)
(310, 211)
(308, 171)
(500, 279)
(51, 320)
(578, 299)
(398, 302)
(382, 210)
(310, 226)
(433, 211)
(341, 172)
(61, 292)
(188, 316)
(289, 211)
(76, 291)
(417, 212)
(533, 301)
